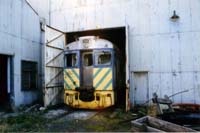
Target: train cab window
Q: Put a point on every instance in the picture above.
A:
(71, 60)
(88, 60)
(103, 58)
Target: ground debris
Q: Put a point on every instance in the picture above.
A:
(81, 115)
(115, 113)
(2, 113)
(7, 115)
(52, 114)
(33, 108)
(152, 124)
(152, 110)
(42, 108)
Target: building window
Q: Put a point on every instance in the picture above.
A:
(29, 75)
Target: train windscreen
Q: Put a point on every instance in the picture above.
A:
(103, 58)
(71, 60)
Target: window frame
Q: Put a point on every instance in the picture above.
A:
(102, 65)
(30, 71)
(78, 60)
(82, 61)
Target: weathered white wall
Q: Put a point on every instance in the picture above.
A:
(20, 38)
(41, 7)
(168, 50)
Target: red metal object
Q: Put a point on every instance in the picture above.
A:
(186, 107)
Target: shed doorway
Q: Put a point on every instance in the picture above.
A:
(119, 37)
(3, 79)
(6, 81)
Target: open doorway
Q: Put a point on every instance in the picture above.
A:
(5, 81)
(118, 37)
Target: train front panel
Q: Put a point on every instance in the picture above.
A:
(78, 94)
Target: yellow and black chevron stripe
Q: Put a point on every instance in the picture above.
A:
(102, 79)
(71, 79)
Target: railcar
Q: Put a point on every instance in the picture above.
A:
(91, 73)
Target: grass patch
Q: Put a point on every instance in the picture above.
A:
(23, 123)
(106, 120)
(95, 128)
(103, 122)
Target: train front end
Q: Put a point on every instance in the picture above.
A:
(88, 73)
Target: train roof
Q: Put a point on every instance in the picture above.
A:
(89, 42)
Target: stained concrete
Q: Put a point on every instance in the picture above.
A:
(81, 115)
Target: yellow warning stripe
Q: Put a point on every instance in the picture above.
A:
(102, 78)
(71, 77)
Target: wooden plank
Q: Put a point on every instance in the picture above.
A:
(156, 125)
(167, 126)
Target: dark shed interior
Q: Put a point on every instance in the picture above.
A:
(117, 36)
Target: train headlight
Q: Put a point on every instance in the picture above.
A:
(86, 43)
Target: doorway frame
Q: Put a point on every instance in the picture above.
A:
(132, 83)
(10, 78)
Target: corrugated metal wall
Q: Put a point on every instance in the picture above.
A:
(168, 51)
(20, 38)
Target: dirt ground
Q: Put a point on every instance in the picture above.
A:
(112, 119)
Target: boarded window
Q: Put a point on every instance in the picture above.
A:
(29, 75)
